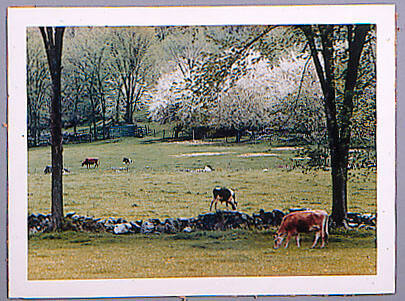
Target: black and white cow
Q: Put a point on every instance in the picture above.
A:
(48, 170)
(223, 194)
(126, 161)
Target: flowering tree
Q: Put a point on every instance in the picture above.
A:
(270, 95)
(264, 96)
(172, 99)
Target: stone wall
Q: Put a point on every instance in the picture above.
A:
(219, 220)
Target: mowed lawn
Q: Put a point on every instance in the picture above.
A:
(159, 184)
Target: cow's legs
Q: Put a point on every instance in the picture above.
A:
(232, 202)
(325, 232)
(317, 234)
(323, 241)
(212, 202)
(298, 240)
(323, 236)
(287, 240)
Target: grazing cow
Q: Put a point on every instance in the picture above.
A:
(48, 169)
(208, 168)
(90, 161)
(126, 161)
(303, 222)
(222, 194)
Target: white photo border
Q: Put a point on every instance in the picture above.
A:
(20, 18)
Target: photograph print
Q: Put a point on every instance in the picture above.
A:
(180, 154)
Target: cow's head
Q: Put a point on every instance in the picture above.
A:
(278, 239)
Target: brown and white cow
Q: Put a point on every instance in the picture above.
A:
(90, 161)
(303, 222)
(223, 194)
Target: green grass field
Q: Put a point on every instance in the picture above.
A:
(157, 185)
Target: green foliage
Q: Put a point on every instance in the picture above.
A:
(318, 157)
(210, 62)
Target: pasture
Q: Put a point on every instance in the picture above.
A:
(161, 183)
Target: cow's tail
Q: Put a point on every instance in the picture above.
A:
(325, 226)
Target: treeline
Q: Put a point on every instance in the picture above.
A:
(203, 81)
(106, 74)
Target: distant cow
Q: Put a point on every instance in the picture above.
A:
(90, 161)
(126, 161)
(48, 170)
(303, 222)
(222, 194)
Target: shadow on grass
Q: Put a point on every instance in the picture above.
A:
(213, 240)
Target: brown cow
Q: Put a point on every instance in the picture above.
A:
(90, 161)
(303, 222)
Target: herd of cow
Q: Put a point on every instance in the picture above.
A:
(292, 224)
(96, 161)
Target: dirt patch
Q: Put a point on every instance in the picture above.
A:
(286, 148)
(201, 154)
(192, 142)
(249, 155)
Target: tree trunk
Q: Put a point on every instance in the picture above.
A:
(339, 185)
(128, 117)
(34, 129)
(90, 132)
(103, 113)
(117, 107)
(75, 114)
(94, 128)
(338, 137)
(104, 125)
(53, 38)
(237, 136)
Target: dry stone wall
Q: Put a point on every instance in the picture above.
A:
(219, 220)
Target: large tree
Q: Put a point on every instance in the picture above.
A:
(53, 41)
(132, 67)
(325, 41)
